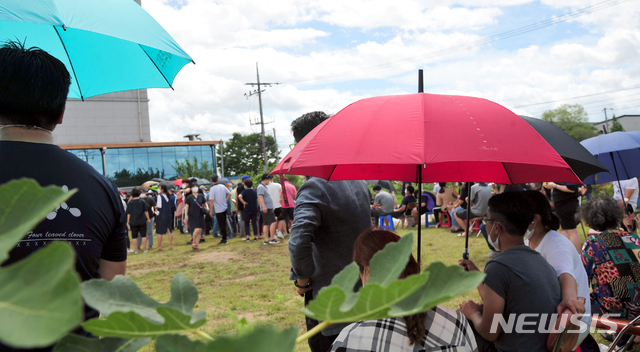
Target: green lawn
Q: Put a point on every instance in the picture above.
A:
(252, 280)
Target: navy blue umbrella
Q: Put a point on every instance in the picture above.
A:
(619, 152)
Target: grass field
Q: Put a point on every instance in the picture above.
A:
(252, 280)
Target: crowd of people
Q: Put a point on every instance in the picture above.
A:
(538, 266)
(224, 210)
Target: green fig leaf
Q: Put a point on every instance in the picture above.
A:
(75, 343)
(259, 340)
(40, 297)
(387, 265)
(132, 325)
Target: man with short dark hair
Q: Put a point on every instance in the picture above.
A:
(33, 92)
(138, 218)
(328, 218)
(382, 204)
(519, 284)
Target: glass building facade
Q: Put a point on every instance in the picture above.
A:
(161, 157)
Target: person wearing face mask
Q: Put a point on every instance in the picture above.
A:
(542, 235)
(519, 283)
(194, 215)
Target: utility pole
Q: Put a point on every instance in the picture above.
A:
(275, 141)
(265, 159)
(606, 121)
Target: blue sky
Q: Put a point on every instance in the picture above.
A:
(375, 47)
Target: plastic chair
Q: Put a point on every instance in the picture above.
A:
(426, 219)
(385, 227)
(444, 222)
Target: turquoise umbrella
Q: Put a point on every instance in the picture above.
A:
(107, 45)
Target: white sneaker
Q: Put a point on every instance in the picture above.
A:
(136, 251)
(129, 250)
(145, 251)
(279, 234)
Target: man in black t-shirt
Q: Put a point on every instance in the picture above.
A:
(565, 201)
(138, 218)
(33, 92)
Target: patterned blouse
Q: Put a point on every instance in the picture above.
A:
(447, 331)
(613, 269)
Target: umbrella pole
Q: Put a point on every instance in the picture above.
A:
(419, 172)
(615, 169)
(465, 250)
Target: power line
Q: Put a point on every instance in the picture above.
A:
(477, 43)
(578, 97)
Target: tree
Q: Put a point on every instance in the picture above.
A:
(125, 178)
(188, 168)
(616, 126)
(573, 119)
(243, 154)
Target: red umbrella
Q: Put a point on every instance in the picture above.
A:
(178, 182)
(426, 138)
(455, 138)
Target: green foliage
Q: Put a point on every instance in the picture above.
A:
(382, 298)
(243, 154)
(75, 343)
(604, 190)
(573, 119)
(188, 168)
(123, 295)
(616, 126)
(259, 340)
(125, 178)
(44, 303)
(132, 325)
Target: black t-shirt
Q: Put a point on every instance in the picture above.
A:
(251, 197)
(239, 189)
(150, 204)
(194, 207)
(464, 193)
(560, 196)
(136, 209)
(93, 220)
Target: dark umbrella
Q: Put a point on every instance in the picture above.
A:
(224, 181)
(203, 182)
(619, 152)
(169, 184)
(383, 183)
(578, 157)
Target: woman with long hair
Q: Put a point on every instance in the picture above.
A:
(164, 218)
(558, 250)
(411, 333)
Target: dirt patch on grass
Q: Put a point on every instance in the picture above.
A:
(215, 257)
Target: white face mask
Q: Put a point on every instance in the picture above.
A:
(194, 190)
(496, 244)
(183, 186)
(143, 195)
(529, 233)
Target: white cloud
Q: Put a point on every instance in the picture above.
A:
(366, 48)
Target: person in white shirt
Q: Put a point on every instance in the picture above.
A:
(560, 252)
(630, 191)
(275, 191)
(218, 197)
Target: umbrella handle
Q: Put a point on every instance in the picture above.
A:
(465, 255)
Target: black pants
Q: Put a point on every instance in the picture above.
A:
(222, 224)
(318, 342)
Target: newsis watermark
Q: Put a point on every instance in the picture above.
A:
(531, 323)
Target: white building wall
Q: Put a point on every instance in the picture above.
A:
(107, 118)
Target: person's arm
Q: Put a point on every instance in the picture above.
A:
(211, 206)
(228, 196)
(561, 188)
(146, 213)
(482, 316)
(261, 203)
(570, 299)
(159, 201)
(108, 270)
(241, 199)
(128, 218)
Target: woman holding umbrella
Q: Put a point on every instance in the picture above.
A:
(163, 220)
